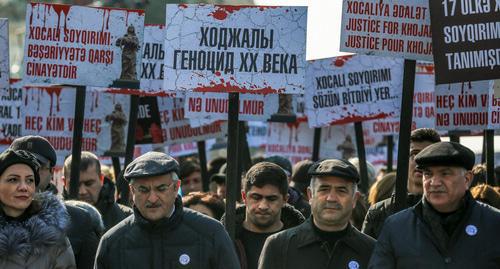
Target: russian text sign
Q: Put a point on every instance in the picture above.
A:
(466, 40)
(4, 54)
(353, 88)
(153, 57)
(215, 48)
(82, 45)
(395, 28)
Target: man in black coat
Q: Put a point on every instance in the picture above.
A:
(326, 239)
(265, 211)
(379, 212)
(447, 229)
(161, 233)
(96, 189)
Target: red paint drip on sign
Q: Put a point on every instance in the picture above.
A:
(228, 87)
(221, 12)
(61, 9)
(353, 118)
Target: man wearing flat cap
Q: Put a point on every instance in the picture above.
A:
(161, 233)
(326, 239)
(447, 228)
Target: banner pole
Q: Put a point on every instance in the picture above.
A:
(360, 146)
(232, 164)
(76, 151)
(404, 134)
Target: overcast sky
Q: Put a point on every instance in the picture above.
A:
(323, 25)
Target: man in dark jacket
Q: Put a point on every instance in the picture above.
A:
(295, 197)
(85, 228)
(379, 212)
(96, 189)
(447, 229)
(326, 239)
(265, 212)
(161, 233)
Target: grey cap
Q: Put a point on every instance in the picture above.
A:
(335, 167)
(151, 164)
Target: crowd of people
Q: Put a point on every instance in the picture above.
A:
(309, 215)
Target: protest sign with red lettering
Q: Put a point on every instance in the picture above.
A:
(466, 40)
(353, 88)
(11, 101)
(395, 28)
(463, 106)
(423, 105)
(49, 112)
(80, 45)
(218, 48)
(204, 108)
(295, 141)
(494, 107)
(4, 54)
(176, 128)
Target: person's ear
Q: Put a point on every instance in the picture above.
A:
(132, 190)
(355, 199)
(468, 178)
(309, 193)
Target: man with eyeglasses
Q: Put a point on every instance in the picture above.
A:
(162, 233)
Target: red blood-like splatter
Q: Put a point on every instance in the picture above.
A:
(139, 92)
(217, 73)
(353, 118)
(156, 133)
(183, 5)
(60, 9)
(222, 11)
(53, 92)
(228, 87)
(341, 60)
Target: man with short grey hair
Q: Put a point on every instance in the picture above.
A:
(162, 233)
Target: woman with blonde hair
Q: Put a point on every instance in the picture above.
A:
(32, 225)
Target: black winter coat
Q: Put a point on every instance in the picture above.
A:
(301, 247)
(187, 239)
(290, 217)
(407, 241)
(379, 212)
(112, 212)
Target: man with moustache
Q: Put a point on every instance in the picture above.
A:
(265, 211)
(326, 239)
(161, 233)
(379, 212)
(447, 228)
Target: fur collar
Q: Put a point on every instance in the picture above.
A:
(33, 234)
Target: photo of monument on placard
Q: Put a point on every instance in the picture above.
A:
(129, 45)
(118, 122)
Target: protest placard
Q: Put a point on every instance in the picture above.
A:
(49, 112)
(4, 54)
(82, 45)
(153, 57)
(466, 40)
(218, 48)
(395, 28)
(423, 105)
(463, 106)
(352, 88)
(257, 134)
(11, 103)
(176, 128)
(205, 108)
(494, 107)
(295, 141)
(148, 128)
